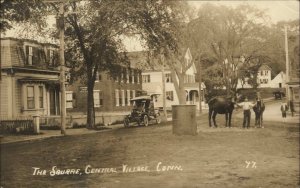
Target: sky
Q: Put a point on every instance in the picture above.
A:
(276, 10)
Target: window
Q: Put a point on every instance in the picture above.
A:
(29, 55)
(101, 98)
(146, 78)
(30, 97)
(41, 96)
(117, 97)
(134, 77)
(132, 94)
(169, 95)
(138, 77)
(127, 76)
(98, 98)
(266, 81)
(128, 97)
(168, 78)
(97, 78)
(121, 99)
(122, 77)
(51, 57)
(130, 76)
(69, 99)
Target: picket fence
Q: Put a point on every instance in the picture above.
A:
(16, 125)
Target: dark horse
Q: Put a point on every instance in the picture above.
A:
(220, 105)
(259, 109)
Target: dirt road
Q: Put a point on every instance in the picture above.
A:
(153, 157)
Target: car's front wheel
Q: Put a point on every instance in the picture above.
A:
(126, 122)
(158, 119)
(146, 120)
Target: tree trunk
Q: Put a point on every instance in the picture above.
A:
(90, 104)
(181, 93)
(179, 86)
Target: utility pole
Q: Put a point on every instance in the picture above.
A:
(164, 86)
(287, 67)
(61, 28)
(200, 87)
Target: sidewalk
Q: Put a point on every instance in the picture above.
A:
(6, 139)
(53, 133)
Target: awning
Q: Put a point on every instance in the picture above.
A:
(38, 80)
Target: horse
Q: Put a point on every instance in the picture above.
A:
(259, 109)
(220, 105)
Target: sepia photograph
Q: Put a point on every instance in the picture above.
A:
(149, 93)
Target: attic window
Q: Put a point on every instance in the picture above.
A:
(29, 55)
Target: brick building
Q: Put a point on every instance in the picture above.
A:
(110, 94)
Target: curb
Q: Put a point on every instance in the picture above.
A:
(51, 136)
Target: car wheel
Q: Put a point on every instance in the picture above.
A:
(126, 122)
(146, 120)
(158, 119)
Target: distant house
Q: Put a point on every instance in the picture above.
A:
(153, 84)
(278, 81)
(264, 79)
(29, 82)
(264, 76)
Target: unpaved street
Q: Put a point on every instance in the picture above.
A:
(214, 158)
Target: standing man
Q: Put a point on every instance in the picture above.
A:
(284, 109)
(247, 113)
(291, 106)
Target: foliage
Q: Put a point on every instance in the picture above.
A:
(12, 11)
(230, 38)
(93, 35)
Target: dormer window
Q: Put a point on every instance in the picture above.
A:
(51, 57)
(29, 55)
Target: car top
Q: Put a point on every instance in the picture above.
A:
(144, 97)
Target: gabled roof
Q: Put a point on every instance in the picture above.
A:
(188, 57)
(265, 67)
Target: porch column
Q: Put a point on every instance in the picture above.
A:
(48, 102)
(9, 96)
(45, 105)
(36, 98)
(56, 95)
(24, 99)
(188, 97)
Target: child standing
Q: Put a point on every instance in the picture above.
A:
(284, 109)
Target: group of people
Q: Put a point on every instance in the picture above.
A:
(247, 106)
(258, 108)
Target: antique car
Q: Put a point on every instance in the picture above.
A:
(278, 94)
(143, 112)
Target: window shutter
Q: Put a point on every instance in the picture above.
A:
(74, 100)
(27, 54)
(48, 56)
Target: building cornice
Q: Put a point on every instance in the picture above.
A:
(25, 69)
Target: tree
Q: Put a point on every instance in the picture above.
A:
(16, 11)
(228, 37)
(93, 35)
